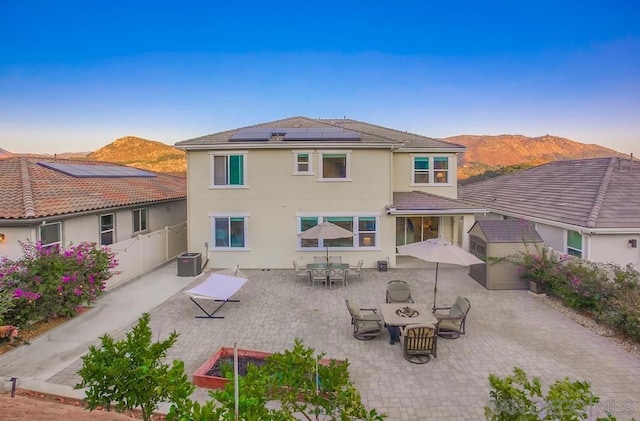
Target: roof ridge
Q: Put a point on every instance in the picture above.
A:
(604, 185)
(27, 191)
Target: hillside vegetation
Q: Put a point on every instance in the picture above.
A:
(142, 153)
(491, 153)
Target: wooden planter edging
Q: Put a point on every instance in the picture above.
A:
(201, 379)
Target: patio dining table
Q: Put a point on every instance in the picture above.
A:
(328, 267)
(396, 315)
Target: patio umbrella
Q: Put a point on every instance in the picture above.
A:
(325, 231)
(438, 250)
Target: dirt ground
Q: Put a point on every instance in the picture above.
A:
(27, 405)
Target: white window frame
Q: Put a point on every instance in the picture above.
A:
(432, 171)
(112, 230)
(356, 238)
(50, 224)
(347, 154)
(137, 216)
(568, 248)
(296, 162)
(245, 170)
(212, 243)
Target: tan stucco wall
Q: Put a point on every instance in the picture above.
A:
(11, 248)
(402, 175)
(275, 197)
(614, 249)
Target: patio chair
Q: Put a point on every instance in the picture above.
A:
(317, 276)
(366, 322)
(338, 275)
(398, 292)
(335, 259)
(419, 342)
(299, 272)
(354, 271)
(452, 320)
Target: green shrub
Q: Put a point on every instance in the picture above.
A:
(516, 398)
(290, 378)
(48, 281)
(129, 373)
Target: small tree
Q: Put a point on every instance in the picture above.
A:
(515, 398)
(129, 373)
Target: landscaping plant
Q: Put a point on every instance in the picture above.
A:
(130, 373)
(49, 281)
(289, 380)
(516, 398)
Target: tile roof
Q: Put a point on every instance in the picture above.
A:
(590, 193)
(508, 231)
(419, 201)
(370, 135)
(29, 190)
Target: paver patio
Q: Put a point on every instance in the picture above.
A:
(504, 329)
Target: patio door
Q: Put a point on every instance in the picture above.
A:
(412, 229)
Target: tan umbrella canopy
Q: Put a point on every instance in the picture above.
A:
(439, 250)
(325, 231)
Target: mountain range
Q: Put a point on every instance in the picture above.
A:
(484, 154)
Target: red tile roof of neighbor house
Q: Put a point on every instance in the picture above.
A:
(30, 190)
(591, 193)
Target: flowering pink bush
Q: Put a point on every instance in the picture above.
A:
(48, 282)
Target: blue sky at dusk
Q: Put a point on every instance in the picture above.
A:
(76, 75)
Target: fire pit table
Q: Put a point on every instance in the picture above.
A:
(395, 315)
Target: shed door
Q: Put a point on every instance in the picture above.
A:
(478, 248)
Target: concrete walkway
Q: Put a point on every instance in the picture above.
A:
(505, 329)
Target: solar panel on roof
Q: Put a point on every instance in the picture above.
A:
(321, 133)
(85, 171)
(252, 134)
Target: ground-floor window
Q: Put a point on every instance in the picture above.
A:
(229, 232)
(412, 229)
(50, 234)
(574, 243)
(107, 229)
(365, 229)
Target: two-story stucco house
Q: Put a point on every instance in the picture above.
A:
(252, 190)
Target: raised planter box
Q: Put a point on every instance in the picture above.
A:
(201, 379)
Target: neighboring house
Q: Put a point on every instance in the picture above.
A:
(63, 202)
(252, 190)
(588, 208)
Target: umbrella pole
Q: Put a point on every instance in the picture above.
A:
(435, 289)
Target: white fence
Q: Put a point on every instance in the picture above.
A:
(146, 252)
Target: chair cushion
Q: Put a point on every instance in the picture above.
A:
(367, 326)
(355, 311)
(447, 324)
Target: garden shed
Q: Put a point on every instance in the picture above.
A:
(494, 239)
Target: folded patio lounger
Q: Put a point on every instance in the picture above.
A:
(217, 287)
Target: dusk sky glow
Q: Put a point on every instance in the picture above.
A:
(76, 75)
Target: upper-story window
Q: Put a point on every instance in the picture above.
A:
(302, 162)
(574, 243)
(335, 166)
(229, 170)
(107, 229)
(50, 234)
(139, 220)
(430, 170)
